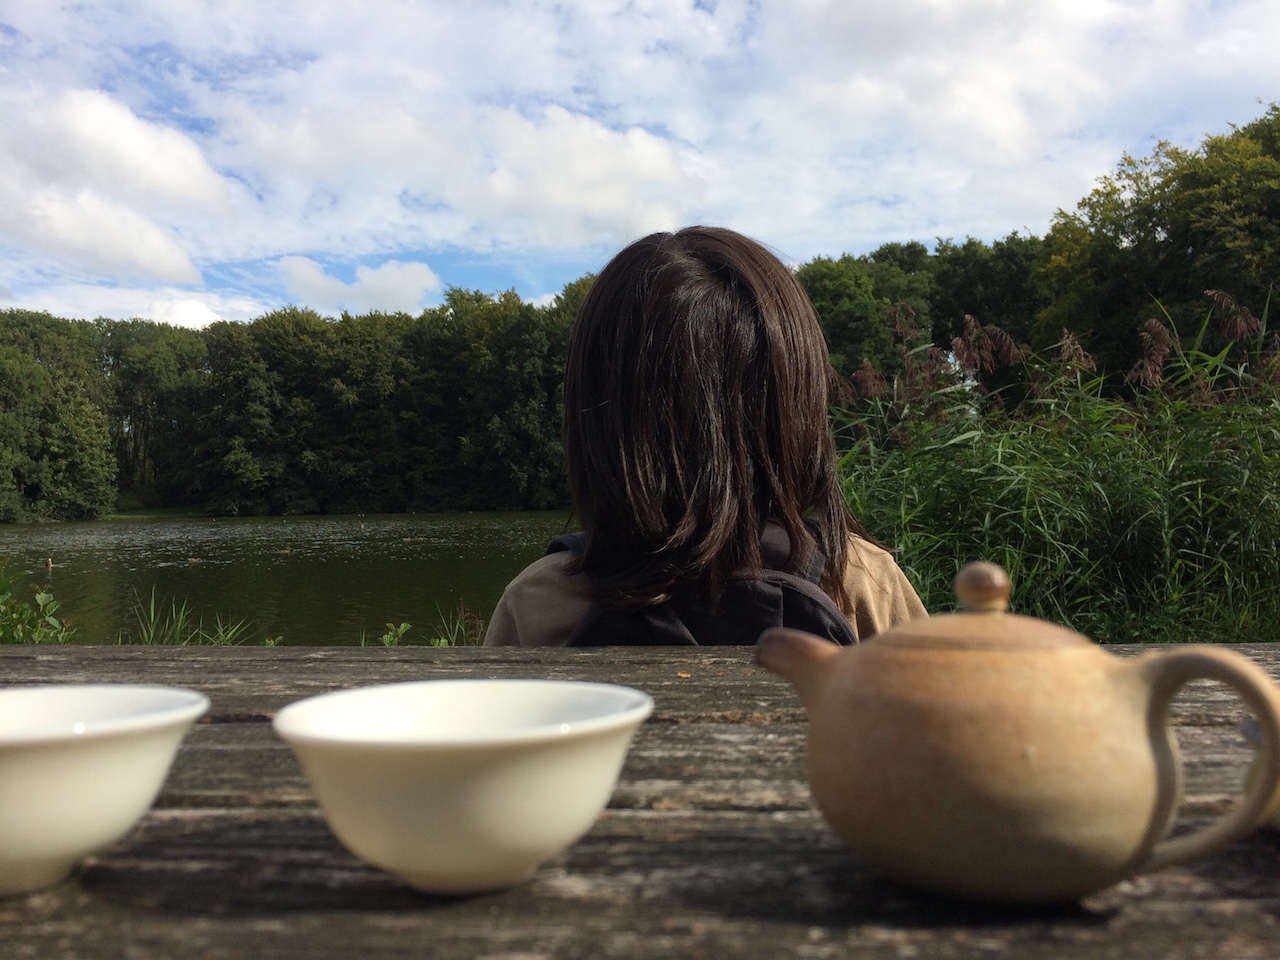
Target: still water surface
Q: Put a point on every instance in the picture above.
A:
(307, 580)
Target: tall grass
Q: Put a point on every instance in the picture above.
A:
(179, 626)
(459, 628)
(1148, 517)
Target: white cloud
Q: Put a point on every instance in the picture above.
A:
(95, 138)
(169, 142)
(394, 286)
(91, 231)
(165, 304)
(88, 183)
(569, 180)
(182, 312)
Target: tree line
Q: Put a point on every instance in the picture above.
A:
(459, 406)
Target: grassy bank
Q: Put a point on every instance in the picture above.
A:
(170, 622)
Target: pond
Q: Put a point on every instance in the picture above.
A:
(301, 580)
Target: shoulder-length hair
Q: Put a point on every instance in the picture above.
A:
(695, 410)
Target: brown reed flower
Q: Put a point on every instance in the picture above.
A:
(1157, 344)
(1235, 322)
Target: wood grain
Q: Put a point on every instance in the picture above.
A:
(711, 846)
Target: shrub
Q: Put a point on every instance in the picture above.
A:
(22, 623)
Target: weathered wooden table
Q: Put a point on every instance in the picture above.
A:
(711, 846)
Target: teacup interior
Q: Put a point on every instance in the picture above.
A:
(62, 710)
(467, 711)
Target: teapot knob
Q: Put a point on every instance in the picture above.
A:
(982, 587)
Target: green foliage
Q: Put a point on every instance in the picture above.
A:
(175, 624)
(902, 279)
(997, 284)
(852, 316)
(394, 634)
(510, 452)
(297, 413)
(74, 471)
(70, 350)
(149, 367)
(55, 450)
(24, 391)
(458, 628)
(22, 623)
(225, 633)
(1166, 228)
(1156, 520)
(459, 407)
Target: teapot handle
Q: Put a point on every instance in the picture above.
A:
(1169, 671)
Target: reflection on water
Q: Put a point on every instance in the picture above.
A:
(310, 580)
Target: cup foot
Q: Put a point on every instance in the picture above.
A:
(456, 886)
(27, 877)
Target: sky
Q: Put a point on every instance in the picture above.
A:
(191, 161)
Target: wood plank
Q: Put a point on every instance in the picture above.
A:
(711, 846)
(642, 884)
(252, 682)
(674, 766)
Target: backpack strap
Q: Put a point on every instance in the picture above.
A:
(775, 547)
(574, 543)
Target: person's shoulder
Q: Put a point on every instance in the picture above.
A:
(541, 605)
(547, 570)
(870, 555)
(546, 582)
(879, 592)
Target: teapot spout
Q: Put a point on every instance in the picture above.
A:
(798, 657)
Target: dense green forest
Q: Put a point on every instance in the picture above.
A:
(458, 407)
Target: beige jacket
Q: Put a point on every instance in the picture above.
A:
(542, 605)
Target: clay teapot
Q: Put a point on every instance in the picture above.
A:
(997, 757)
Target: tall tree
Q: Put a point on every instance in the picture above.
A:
(902, 280)
(997, 284)
(853, 317)
(1158, 232)
(55, 448)
(234, 459)
(145, 362)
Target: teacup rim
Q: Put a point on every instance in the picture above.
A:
(284, 722)
(189, 706)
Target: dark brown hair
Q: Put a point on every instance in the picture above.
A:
(695, 409)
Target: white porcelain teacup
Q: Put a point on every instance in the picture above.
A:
(79, 766)
(459, 786)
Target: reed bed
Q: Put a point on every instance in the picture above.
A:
(1152, 517)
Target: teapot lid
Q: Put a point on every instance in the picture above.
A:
(982, 590)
